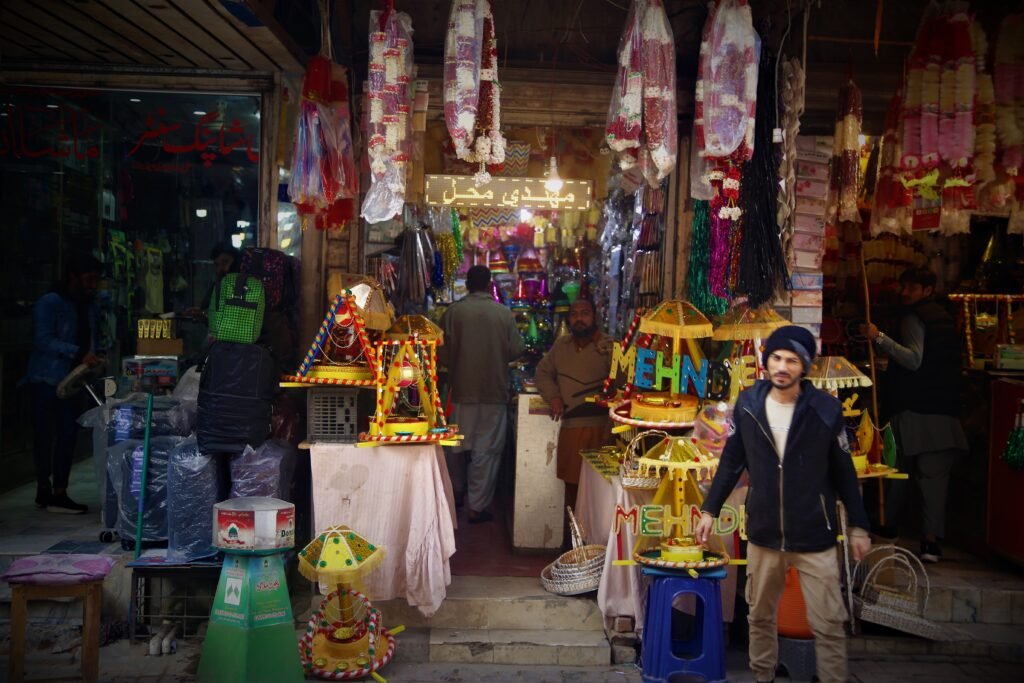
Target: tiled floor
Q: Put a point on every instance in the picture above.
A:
(485, 549)
(26, 530)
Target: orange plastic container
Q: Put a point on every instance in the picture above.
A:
(792, 616)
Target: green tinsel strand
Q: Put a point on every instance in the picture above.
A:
(1013, 454)
(457, 232)
(697, 275)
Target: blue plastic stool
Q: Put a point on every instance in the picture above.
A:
(704, 654)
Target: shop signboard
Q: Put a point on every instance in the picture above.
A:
(521, 193)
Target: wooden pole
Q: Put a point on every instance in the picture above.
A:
(874, 381)
(871, 347)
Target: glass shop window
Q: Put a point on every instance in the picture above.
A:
(149, 182)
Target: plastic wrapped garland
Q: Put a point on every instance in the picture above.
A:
(641, 125)
(389, 128)
(1009, 92)
(472, 104)
(891, 210)
(730, 82)
(762, 265)
(845, 172)
(318, 164)
(956, 95)
(659, 101)
(698, 94)
(985, 110)
(489, 145)
(625, 114)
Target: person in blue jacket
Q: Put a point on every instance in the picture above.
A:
(64, 335)
(791, 439)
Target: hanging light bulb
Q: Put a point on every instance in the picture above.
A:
(553, 183)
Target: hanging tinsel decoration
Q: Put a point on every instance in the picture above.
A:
(697, 286)
(457, 234)
(718, 249)
(1013, 453)
(762, 266)
(449, 256)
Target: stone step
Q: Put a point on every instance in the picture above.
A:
(999, 643)
(499, 603)
(958, 603)
(520, 646)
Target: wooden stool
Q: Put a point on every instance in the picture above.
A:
(91, 593)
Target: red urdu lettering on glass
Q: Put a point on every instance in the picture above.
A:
(154, 131)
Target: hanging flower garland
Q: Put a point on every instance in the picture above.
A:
(845, 174)
(956, 98)
(890, 212)
(641, 125)
(472, 94)
(985, 110)
(730, 82)
(659, 51)
(1009, 92)
(622, 131)
(389, 129)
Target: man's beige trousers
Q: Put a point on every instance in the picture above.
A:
(819, 581)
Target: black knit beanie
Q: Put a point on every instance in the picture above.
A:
(792, 338)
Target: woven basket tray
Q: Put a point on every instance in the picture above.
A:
(578, 570)
(631, 477)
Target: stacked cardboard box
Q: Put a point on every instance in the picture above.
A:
(803, 304)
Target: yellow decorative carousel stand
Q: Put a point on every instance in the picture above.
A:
(345, 638)
(408, 406)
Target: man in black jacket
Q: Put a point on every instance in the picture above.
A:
(923, 396)
(791, 439)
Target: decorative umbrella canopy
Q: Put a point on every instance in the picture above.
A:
(415, 326)
(373, 306)
(743, 322)
(339, 555)
(677, 319)
(835, 372)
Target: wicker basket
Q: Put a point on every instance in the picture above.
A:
(901, 606)
(578, 570)
(631, 477)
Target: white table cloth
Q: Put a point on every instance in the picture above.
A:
(400, 498)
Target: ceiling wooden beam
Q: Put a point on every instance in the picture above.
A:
(166, 40)
(64, 31)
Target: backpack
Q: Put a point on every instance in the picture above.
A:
(276, 271)
(236, 391)
(236, 309)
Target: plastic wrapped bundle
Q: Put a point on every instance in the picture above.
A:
(730, 82)
(659, 101)
(463, 50)
(124, 467)
(265, 471)
(892, 200)
(191, 495)
(845, 172)
(317, 168)
(622, 131)
(389, 124)
(1009, 92)
(985, 110)
(170, 417)
(957, 93)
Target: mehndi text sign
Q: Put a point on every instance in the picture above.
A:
(520, 193)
